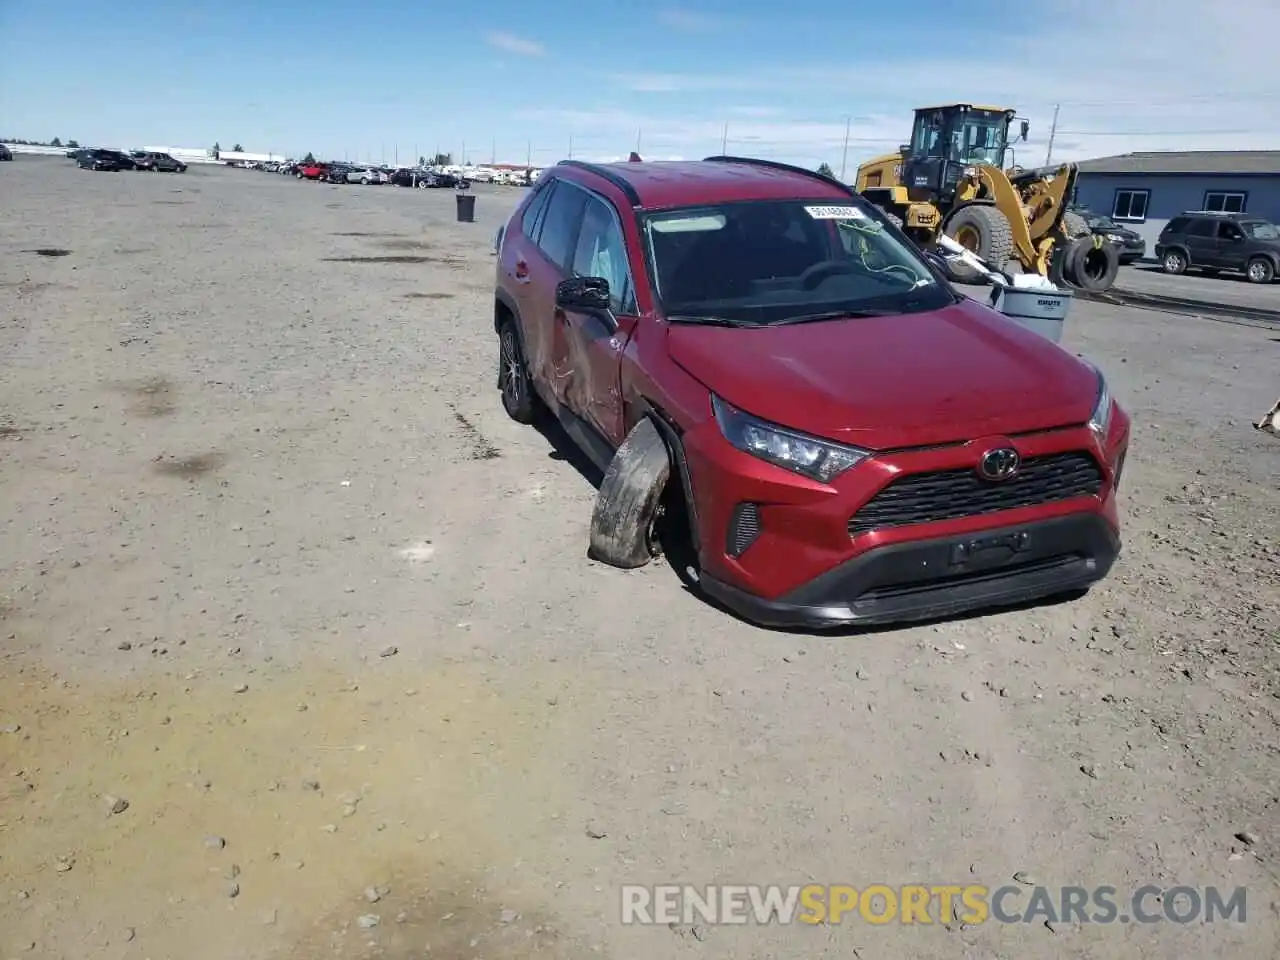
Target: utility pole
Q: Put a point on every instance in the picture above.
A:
(571, 146)
(1053, 129)
(463, 159)
(493, 154)
(844, 156)
(528, 155)
(638, 132)
(724, 139)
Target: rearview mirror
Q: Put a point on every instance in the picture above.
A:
(584, 294)
(1026, 128)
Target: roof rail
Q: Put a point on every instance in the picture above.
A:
(786, 167)
(1213, 213)
(627, 189)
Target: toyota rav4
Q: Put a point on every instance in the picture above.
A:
(773, 378)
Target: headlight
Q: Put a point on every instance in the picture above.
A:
(1100, 419)
(808, 456)
(1115, 238)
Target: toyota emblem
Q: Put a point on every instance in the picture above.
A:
(999, 464)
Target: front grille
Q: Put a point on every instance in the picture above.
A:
(955, 494)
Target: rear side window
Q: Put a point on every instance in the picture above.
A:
(532, 213)
(1177, 225)
(561, 222)
(1202, 228)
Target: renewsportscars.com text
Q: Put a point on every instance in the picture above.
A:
(927, 904)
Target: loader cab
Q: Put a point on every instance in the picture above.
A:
(947, 139)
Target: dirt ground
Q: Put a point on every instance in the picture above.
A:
(284, 588)
(1227, 289)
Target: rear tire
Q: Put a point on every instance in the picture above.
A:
(518, 397)
(1260, 270)
(1175, 262)
(984, 230)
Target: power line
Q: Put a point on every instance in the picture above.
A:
(1156, 133)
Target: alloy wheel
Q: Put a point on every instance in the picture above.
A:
(512, 372)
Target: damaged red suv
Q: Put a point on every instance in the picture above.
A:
(774, 379)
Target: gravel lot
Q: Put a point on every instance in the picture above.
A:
(1229, 289)
(281, 578)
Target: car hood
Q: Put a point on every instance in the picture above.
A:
(945, 376)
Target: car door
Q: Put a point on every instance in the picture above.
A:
(541, 265)
(586, 348)
(1202, 243)
(1231, 246)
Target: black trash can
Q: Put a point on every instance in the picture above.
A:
(466, 207)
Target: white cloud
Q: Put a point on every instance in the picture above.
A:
(689, 22)
(511, 43)
(1139, 75)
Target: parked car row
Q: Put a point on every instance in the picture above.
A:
(98, 158)
(366, 174)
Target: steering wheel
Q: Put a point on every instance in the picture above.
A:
(819, 272)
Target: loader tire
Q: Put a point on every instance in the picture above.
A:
(627, 506)
(985, 231)
(1092, 266)
(891, 217)
(1074, 225)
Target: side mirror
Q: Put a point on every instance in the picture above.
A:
(941, 263)
(584, 295)
(1026, 128)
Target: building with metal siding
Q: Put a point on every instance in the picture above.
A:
(1144, 191)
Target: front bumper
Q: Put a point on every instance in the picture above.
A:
(907, 535)
(1132, 252)
(942, 577)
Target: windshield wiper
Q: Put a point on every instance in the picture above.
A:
(710, 321)
(906, 305)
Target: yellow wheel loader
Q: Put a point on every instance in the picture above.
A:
(952, 179)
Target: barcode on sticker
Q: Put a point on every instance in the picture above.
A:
(835, 213)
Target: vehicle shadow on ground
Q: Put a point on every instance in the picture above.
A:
(678, 553)
(1155, 268)
(564, 449)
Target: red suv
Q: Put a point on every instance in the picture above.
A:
(774, 379)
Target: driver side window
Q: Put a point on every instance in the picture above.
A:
(602, 252)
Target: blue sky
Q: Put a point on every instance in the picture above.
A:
(504, 78)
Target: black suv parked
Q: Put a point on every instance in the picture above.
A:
(1212, 241)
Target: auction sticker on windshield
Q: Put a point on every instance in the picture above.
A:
(835, 213)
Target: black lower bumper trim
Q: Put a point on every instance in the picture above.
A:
(944, 577)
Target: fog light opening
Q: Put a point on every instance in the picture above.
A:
(744, 529)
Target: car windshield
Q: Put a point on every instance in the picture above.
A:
(785, 261)
(1261, 230)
